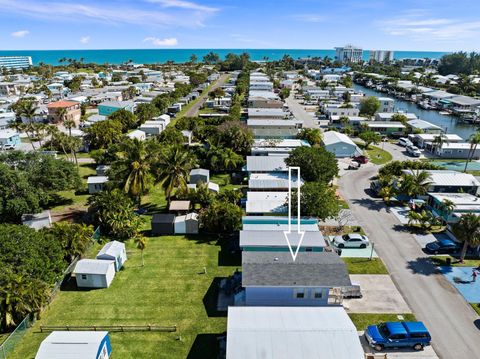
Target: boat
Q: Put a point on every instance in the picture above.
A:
(425, 105)
(444, 113)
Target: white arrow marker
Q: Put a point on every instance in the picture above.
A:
(288, 234)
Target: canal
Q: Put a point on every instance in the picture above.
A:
(447, 122)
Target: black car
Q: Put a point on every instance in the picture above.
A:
(442, 246)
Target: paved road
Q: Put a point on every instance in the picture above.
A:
(193, 111)
(299, 112)
(454, 325)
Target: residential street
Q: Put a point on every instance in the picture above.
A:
(300, 113)
(193, 111)
(454, 325)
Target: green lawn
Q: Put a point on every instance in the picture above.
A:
(363, 320)
(378, 156)
(442, 261)
(224, 181)
(170, 290)
(476, 307)
(365, 266)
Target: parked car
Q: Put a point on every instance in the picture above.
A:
(361, 159)
(8, 146)
(413, 151)
(398, 334)
(442, 246)
(351, 240)
(404, 142)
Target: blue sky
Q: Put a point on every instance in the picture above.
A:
(301, 24)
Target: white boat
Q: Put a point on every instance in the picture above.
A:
(444, 113)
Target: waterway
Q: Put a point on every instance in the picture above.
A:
(449, 123)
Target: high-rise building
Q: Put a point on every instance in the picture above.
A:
(381, 55)
(15, 62)
(348, 53)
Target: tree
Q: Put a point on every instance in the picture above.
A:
(347, 97)
(74, 238)
(474, 140)
(370, 137)
(312, 135)
(114, 212)
(316, 163)
(193, 58)
(211, 58)
(369, 106)
(467, 230)
(172, 167)
(217, 93)
(235, 135)
(416, 183)
(317, 200)
(125, 118)
(221, 217)
(141, 244)
(347, 82)
(399, 117)
(145, 112)
(223, 159)
(284, 93)
(104, 133)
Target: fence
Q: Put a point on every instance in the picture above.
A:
(110, 328)
(12, 340)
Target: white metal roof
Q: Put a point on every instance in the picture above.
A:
(112, 249)
(291, 332)
(272, 123)
(284, 142)
(450, 178)
(266, 163)
(71, 345)
(430, 137)
(424, 125)
(332, 137)
(97, 179)
(271, 180)
(92, 266)
(266, 202)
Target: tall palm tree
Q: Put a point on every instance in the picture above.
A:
(141, 243)
(448, 207)
(174, 165)
(474, 141)
(416, 183)
(439, 140)
(61, 113)
(69, 124)
(467, 230)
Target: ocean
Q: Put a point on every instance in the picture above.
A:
(149, 56)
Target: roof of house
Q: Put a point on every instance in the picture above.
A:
(389, 115)
(112, 249)
(71, 345)
(117, 104)
(276, 112)
(199, 172)
(333, 137)
(439, 94)
(430, 137)
(272, 180)
(279, 143)
(266, 202)
(382, 124)
(179, 206)
(278, 269)
(272, 123)
(450, 178)
(423, 125)
(266, 163)
(92, 266)
(163, 218)
(8, 133)
(97, 179)
(291, 332)
(464, 101)
(62, 104)
(276, 238)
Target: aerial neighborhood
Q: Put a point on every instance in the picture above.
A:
(235, 208)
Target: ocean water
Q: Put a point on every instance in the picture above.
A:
(149, 56)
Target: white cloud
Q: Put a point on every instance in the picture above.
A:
(118, 13)
(171, 41)
(184, 5)
(20, 33)
(310, 17)
(417, 26)
(85, 39)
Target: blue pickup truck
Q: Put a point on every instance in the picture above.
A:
(398, 334)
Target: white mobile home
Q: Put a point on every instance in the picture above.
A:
(340, 144)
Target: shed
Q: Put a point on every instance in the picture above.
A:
(199, 175)
(187, 224)
(213, 187)
(94, 273)
(37, 220)
(163, 224)
(102, 170)
(96, 183)
(75, 345)
(114, 251)
(291, 332)
(179, 206)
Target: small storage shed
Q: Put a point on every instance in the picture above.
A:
(102, 170)
(199, 175)
(94, 273)
(114, 251)
(163, 224)
(187, 224)
(179, 206)
(75, 345)
(213, 187)
(37, 220)
(96, 183)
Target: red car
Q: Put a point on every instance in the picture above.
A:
(361, 159)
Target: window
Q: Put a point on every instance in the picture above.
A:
(397, 336)
(300, 293)
(84, 276)
(317, 294)
(309, 249)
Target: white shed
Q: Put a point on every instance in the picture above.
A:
(187, 224)
(114, 251)
(94, 273)
(37, 220)
(96, 183)
(213, 187)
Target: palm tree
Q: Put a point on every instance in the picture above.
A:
(467, 230)
(61, 113)
(413, 218)
(474, 141)
(448, 207)
(69, 124)
(174, 165)
(416, 183)
(141, 243)
(439, 140)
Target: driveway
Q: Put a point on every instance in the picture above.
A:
(379, 296)
(299, 112)
(193, 111)
(454, 326)
(398, 152)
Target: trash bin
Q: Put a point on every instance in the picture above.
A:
(448, 261)
(339, 252)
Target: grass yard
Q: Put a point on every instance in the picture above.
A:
(442, 261)
(224, 181)
(365, 266)
(363, 320)
(476, 307)
(378, 156)
(170, 290)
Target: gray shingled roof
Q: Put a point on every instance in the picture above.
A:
(311, 269)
